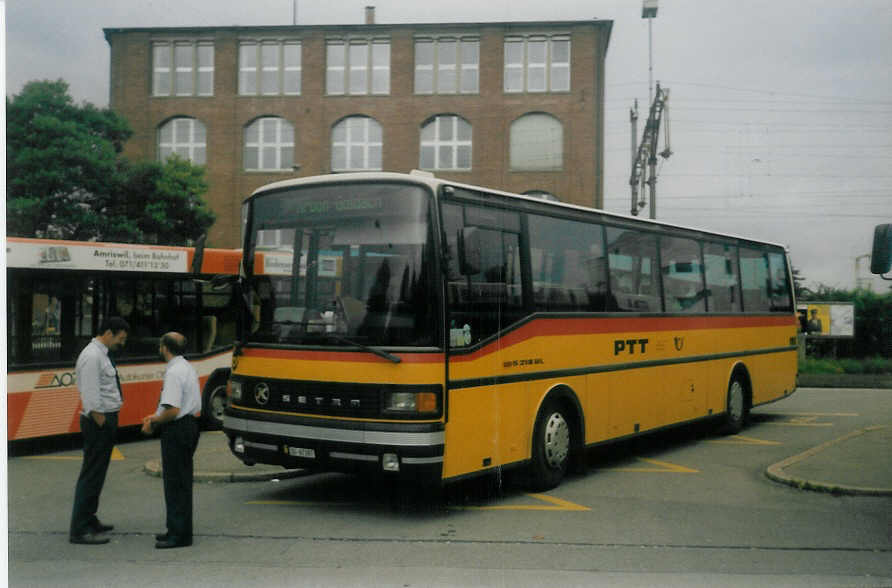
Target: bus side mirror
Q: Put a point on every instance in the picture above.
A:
(469, 254)
(881, 257)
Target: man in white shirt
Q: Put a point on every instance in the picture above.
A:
(176, 419)
(101, 399)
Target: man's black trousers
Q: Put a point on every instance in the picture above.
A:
(98, 445)
(179, 439)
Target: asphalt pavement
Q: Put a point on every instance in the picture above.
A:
(856, 463)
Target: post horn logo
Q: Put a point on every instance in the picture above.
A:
(261, 393)
(679, 343)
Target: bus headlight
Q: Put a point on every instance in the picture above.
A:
(411, 402)
(235, 390)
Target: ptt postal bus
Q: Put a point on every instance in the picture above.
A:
(429, 330)
(59, 291)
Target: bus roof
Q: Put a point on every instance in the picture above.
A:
(428, 179)
(28, 253)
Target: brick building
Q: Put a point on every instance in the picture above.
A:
(517, 106)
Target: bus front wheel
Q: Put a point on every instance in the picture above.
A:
(214, 404)
(551, 447)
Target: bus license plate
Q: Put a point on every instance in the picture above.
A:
(302, 452)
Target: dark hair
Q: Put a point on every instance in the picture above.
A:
(114, 324)
(174, 342)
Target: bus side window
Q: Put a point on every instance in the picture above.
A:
(491, 298)
(682, 275)
(754, 278)
(632, 261)
(722, 279)
(568, 266)
(781, 300)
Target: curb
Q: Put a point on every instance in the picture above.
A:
(879, 381)
(153, 468)
(776, 472)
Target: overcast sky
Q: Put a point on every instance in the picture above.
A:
(780, 110)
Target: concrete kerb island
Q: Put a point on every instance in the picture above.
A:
(778, 472)
(153, 468)
(214, 462)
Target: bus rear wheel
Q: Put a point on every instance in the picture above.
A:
(551, 447)
(736, 409)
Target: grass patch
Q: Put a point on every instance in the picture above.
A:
(871, 365)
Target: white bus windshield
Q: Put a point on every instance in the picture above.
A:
(341, 265)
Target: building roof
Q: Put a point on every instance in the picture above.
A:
(607, 24)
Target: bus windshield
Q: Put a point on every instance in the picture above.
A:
(344, 265)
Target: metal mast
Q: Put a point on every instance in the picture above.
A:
(644, 162)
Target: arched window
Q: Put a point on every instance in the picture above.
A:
(269, 144)
(356, 144)
(542, 194)
(537, 143)
(183, 136)
(446, 143)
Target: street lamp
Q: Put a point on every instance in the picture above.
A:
(649, 11)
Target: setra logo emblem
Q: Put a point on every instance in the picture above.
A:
(261, 393)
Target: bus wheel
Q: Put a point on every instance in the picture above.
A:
(214, 405)
(551, 447)
(736, 409)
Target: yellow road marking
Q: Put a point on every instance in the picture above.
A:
(817, 414)
(556, 504)
(802, 421)
(115, 456)
(741, 440)
(662, 466)
(553, 504)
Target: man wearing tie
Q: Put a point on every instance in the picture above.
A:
(100, 392)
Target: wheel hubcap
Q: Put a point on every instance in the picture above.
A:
(218, 404)
(735, 401)
(557, 440)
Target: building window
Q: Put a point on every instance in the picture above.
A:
(357, 67)
(185, 137)
(269, 145)
(183, 68)
(537, 63)
(542, 194)
(356, 144)
(537, 143)
(446, 143)
(269, 68)
(447, 65)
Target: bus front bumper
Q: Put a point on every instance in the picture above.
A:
(411, 451)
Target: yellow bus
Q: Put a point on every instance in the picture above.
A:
(429, 330)
(58, 292)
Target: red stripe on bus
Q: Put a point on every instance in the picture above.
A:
(350, 356)
(550, 327)
(546, 327)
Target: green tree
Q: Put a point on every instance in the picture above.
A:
(66, 178)
(168, 198)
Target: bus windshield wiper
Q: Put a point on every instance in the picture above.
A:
(378, 352)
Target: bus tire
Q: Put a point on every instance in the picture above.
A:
(214, 403)
(552, 444)
(736, 407)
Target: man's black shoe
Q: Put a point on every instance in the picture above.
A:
(88, 539)
(98, 527)
(171, 542)
(162, 536)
